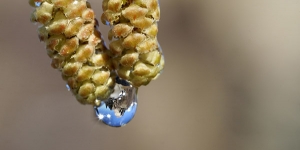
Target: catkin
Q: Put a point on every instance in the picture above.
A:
(136, 53)
(74, 44)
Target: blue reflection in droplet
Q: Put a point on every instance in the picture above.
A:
(120, 108)
(108, 116)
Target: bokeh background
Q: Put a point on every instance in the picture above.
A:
(231, 82)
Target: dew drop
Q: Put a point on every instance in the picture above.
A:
(37, 4)
(107, 23)
(68, 87)
(120, 108)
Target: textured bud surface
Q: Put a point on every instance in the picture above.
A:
(75, 46)
(137, 56)
(73, 42)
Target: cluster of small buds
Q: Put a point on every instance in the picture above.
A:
(74, 44)
(136, 54)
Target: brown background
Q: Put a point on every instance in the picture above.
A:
(231, 82)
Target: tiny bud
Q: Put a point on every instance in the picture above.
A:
(85, 32)
(122, 30)
(88, 15)
(114, 5)
(57, 61)
(147, 45)
(69, 46)
(73, 27)
(55, 42)
(124, 72)
(85, 73)
(142, 23)
(91, 99)
(75, 9)
(95, 38)
(100, 77)
(84, 52)
(129, 59)
(141, 69)
(71, 68)
(72, 82)
(152, 58)
(86, 89)
(58, 24)
(100, 59)
(134, 11)
(102, 92)
(43, 13)
(151, 31)
(133, 40)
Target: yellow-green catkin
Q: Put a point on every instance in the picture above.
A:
(136, 53)
(74, 44)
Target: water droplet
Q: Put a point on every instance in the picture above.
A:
(37, 4)
(120, 108)
(68, 87)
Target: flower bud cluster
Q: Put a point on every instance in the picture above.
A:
(136, 53)
(73, 42)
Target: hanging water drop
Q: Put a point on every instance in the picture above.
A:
(120, 108)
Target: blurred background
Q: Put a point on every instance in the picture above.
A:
(231, 82)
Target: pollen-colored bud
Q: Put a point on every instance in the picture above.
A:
(85, 73)
(84, 52)
(75, 9)
(114, 5)
(122, 30)
(88, 15)
(58, 24)
(86, 89)
(71, 68)
(73, 27)
(69, 46)
(100, 77)
(102, 92)
(85, 32)
(133, 40)
(124, 72)
(152, 58)
(142, 23)
(101, 59)
(134, 12)
(43, 13)
(151, 31)
(55, 42)
(141, 69)
(147, 45)
(129, 59)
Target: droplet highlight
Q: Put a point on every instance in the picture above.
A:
(120, 108)
(37, 4)
(68, 87)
